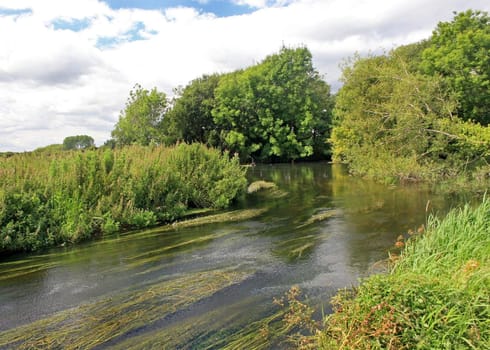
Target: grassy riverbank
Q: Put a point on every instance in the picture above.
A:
(66, 197)
(436, 297)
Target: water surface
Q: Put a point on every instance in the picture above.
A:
(195, 287)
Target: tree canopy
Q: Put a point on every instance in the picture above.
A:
(190, 117)
(278, 109)
(78, 142)
(142, 119)
(396, 119)
(460, 52)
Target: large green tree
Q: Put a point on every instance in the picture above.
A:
(78, 142)
(276, 110)
(393, 122)
(141, 122)
(460, 51)
(190, 119)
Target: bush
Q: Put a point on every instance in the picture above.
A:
(71, 196)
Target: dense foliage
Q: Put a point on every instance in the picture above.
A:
(278, 109)
(78, 142)
(436, 297)
(190, 119)
(70, 196)
(397, 119)
(141, 122)
(459, 51)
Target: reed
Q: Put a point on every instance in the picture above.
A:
(66, 197)
(437, 295)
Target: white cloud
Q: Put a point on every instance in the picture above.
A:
(57, 83)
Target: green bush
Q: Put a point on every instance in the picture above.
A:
(72, 196)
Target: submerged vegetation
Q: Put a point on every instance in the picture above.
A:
(71, 196)
(436, 296)
(93, 324)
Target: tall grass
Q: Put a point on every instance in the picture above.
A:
(436, 297)
(71, 196)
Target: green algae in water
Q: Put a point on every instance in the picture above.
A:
(93, 324)
(223, 328)
(323, 215)
(25, 270)
(299, 247)
(260, 185)
(230, 216)
(267, 189)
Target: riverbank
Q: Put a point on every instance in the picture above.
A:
(67, 197)
(435, 297)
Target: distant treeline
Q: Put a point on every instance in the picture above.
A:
(277, 110)
(67, 197)
(418, 112)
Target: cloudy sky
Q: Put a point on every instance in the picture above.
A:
(67, 66)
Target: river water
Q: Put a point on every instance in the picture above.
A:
(208, 285)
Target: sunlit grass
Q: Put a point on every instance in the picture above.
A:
(436, 297)
(68, 197)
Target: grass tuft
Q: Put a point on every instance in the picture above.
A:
(437, 296)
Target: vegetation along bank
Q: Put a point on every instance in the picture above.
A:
(67, 197)
(436, 296)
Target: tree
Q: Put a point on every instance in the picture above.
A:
(393, 122)
(78, 142)
(460, 52)
(276, 110)
(142, 119)
(390, 120)
(190, 119)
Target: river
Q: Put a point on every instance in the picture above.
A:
(208, 285)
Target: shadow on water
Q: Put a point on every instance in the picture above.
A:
(210, 285)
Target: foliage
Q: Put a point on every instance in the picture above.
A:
(71, 196)
(436, 296)
(142, 119)
(460, 52)
(276, 110)
(190, 118)
(78, 142)
(394, 122)
(387, 116)
(54, 148)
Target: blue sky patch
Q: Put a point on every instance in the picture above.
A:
(133, 34)
(106, 42)
(72, 24)
(221, 8)
(13, 12)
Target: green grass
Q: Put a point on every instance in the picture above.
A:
(437, 296)
(67, 197)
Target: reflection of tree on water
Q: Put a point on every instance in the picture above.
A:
(375, 214)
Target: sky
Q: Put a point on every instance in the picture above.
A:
(67, 66)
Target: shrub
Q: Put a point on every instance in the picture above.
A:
(71, 196)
